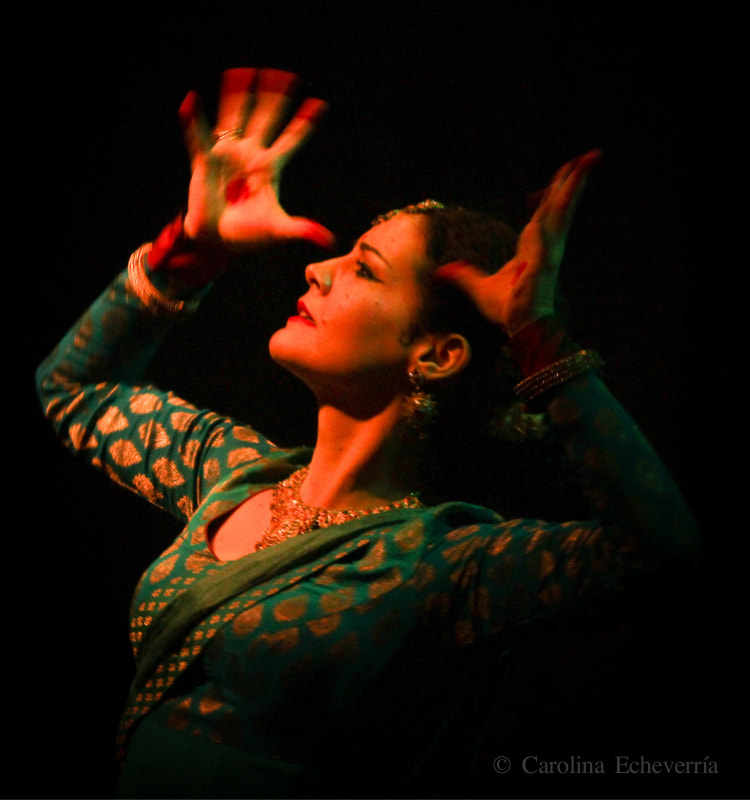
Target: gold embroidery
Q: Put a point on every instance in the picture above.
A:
(338, 600)
(480, 602)
(195, 562)
(331, 574)
(424, 574)
(374, 557)
(547, 565)
(181, 420)
(500, 543)
(218, 439)
(189, 453)
(163, 569)
(242, 455)
(247, 621)
(460, 551)
(78, 439)
(461, 533)
(245, 434)
(216, 509)
(210, 703)
(212, 470)
(536, 538)
(112, 420)
(124, 453)
(175, 400)
(324, 625)
(168, 473)
(185, 504)
(179, 718)
(154, 435)
(283, 641)
(84, 332)
(390, 580)
(465, 574)
(145, 486)
(409, 538)
(290, 609)
(145, 403)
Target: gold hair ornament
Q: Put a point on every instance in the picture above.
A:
(417, 208)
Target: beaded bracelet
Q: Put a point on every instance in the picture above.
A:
(560, 372)
(147, 293)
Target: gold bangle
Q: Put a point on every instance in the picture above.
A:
(560, 372)
(147, 293)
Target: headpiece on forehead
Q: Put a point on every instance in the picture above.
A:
(417, 208)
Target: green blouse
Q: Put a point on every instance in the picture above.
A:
(354, 645)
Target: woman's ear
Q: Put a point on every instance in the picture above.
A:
(441, 355)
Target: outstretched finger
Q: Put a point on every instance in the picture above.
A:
(234, 100)
(299, 129)
(572, 186)
(557, 207)
(195, 129)
(271, 100)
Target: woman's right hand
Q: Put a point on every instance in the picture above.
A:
(233, 199)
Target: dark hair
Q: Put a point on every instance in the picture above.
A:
(481, 446)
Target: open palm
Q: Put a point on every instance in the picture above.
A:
(236, 168)
(524, 288)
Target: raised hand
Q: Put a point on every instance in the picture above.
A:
(524, 289)
(236, 168)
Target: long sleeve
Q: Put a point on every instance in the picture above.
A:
(638, 525)
(146, 439)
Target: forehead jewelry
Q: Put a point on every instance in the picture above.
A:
(417, 208)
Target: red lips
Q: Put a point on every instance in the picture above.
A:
(303, 315)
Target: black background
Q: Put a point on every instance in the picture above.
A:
(467, 102)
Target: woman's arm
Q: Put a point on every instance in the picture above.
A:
(639, 522)
(146, 439)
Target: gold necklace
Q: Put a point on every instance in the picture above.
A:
(291, 516)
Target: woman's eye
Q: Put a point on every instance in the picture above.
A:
(364, 271)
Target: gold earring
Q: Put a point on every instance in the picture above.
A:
(420, 407)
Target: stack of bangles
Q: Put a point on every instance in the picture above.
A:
(559, 372)
(149, 295)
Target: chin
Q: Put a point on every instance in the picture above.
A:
(286, 352)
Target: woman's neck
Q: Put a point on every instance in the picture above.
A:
(356, 463)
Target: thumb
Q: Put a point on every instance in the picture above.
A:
(303, 228)
(465, 275)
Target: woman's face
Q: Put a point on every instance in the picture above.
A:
(353, 327)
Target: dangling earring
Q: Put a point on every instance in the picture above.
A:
(419, 407)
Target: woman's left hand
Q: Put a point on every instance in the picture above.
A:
(523, 290)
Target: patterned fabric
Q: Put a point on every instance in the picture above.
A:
(376, 634)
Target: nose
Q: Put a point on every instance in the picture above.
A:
(320, 275)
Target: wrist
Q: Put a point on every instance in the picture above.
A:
(540, 343)
(191, 263)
